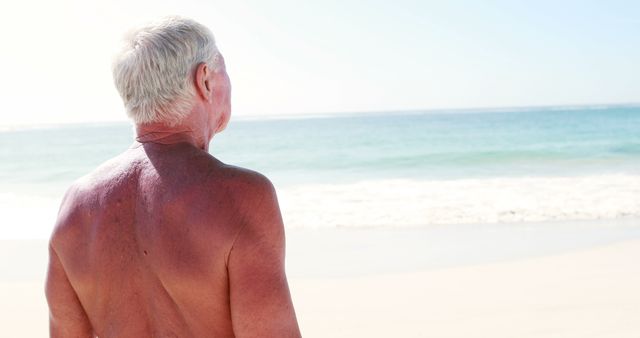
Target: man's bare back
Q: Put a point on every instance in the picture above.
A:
(152, 240)
(165, 240)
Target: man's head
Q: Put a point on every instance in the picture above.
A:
(169, 68)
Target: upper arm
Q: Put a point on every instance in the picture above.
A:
(67, 317)
(259, 293)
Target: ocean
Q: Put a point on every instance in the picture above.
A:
(391, 170)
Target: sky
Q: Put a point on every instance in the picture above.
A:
(314, 57)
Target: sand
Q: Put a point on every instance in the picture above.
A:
(591, 292)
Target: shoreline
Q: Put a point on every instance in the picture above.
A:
(585, 284)
(371, 251)
(353, 252)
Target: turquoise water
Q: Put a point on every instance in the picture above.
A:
(393, 145)
(445, 145)
(416, 168)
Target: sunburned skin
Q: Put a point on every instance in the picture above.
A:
(167, 241)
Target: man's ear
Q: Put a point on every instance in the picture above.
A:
(204, 85)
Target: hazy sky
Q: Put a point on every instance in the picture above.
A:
(293, 57)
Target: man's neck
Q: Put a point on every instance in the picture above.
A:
(160, 133)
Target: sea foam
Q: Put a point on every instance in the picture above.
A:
(402, 203)
(414, 203)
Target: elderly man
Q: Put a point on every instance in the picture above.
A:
(165, 240)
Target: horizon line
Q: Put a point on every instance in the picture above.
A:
(256, 117)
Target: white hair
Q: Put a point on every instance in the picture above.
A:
(154, 70)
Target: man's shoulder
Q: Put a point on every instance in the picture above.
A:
(83, 192)
(244, 176)
(115, 168)
(246, 183)
(247, 192)
(82, 197)
(72, 212)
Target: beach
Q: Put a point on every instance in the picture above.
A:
(585, 293)
(590, 291)
(504, 223)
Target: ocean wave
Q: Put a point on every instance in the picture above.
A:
(416, 203)
(402, 203)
